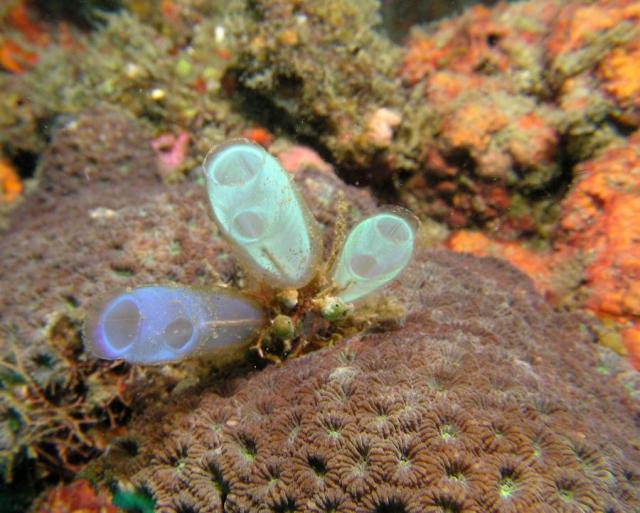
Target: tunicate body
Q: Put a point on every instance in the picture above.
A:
(376, 250)
(158, 324)
(257, 208)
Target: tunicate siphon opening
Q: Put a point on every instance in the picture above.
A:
(393, 229)
(178, 333)
(234, 167)
(249, 225)
(121, 324)
(364, 266)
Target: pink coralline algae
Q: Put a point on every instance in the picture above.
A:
(296, 158)
(171, 151)
(380, 126)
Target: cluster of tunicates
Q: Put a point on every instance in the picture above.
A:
(258, 209)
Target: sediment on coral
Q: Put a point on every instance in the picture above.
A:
(485, 400)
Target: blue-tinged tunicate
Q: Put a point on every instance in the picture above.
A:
(157, 324)
(376, 250)
(258, 209)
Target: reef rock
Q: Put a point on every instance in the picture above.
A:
(485, 400)
(595, 260)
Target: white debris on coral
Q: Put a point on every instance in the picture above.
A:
(380, 126)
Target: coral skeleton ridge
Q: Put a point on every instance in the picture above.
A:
(271, 229)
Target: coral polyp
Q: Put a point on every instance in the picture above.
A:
(258, 210)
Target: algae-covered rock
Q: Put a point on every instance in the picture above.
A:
(477, 121)
(168, 84)
(322, 77)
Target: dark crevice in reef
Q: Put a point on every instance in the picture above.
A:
(379, 178)
(274, 114)
(621, 128)
(560, 184)
(278, 119)
(17, 497)
(85, 14)
(25, 163)
(461, 159)
(399, 16)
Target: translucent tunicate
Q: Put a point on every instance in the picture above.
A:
(158, 324)
(376, 250)
(258, 209)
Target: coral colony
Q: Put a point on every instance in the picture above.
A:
(258, 210)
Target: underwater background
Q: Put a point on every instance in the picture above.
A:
(499, 373)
